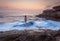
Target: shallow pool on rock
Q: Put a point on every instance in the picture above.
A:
(32, 24)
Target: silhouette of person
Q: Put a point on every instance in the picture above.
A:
(25, 18)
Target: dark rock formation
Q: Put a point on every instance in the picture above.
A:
(57, 8)
(51, 14)
(15, 35)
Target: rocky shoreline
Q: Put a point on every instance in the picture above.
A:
(51, 14)
(30, 35)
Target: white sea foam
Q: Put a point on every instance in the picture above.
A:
(20, 25)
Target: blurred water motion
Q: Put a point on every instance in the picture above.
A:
(15, 18)
(13, 15)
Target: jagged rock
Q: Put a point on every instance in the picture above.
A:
(57, 8)
(51, 14)
(48, 35)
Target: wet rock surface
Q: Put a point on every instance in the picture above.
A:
(30, 35)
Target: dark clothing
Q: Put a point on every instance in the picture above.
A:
(25, 19)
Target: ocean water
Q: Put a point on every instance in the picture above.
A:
(6, 16)
(31, 24)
